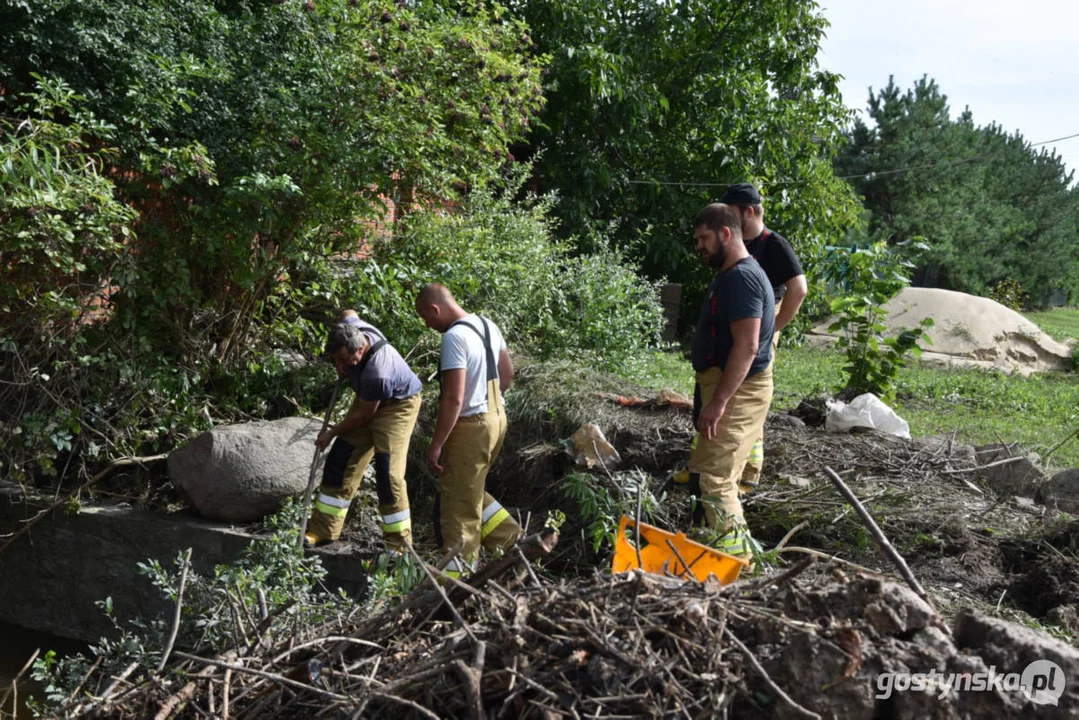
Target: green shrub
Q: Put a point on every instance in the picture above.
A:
(500, 258)
(873, 276)
(1010, 294)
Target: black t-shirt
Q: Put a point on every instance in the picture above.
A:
(739, 292)
(777, 258)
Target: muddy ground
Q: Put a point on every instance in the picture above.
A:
(970, 543)
(814, 631)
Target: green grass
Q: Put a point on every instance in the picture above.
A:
(1061, 324)
(981, 407)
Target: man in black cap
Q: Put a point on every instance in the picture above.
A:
(780, 264)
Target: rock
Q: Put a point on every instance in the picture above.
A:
(1018, 476)
(1062, 491)
(590, 449)
(68, 562)
(785, 422)
(1011, 648)
(240, 473)
(970, 331)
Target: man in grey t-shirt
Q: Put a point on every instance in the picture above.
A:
(732, 357)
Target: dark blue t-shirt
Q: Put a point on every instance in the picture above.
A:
(739, 292)
(385, 375)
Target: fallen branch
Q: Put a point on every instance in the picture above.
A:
(268, 676)
(176, 617)
(13, 689)
(882, 540)
(442, 592)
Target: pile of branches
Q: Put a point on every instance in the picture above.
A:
(507, 643)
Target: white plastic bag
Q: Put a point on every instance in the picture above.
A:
(864, 411)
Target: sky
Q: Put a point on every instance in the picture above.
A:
(1013, 63)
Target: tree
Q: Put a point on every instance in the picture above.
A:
(991, 206)
(258, 138)
(653, 106)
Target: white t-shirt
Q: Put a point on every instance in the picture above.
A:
(463, 348)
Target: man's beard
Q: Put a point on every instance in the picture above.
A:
(715, 260)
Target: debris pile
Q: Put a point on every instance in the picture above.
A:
(810, 641)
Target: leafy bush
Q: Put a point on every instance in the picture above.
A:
(499, 258)
(874, 275)
(603, 501)
(1010, 294)
(61, 225)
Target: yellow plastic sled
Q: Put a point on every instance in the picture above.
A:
(659, 557)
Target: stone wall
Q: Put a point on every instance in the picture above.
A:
(51, 576)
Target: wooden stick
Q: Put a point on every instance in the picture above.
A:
(886, 547)
(995, 463)
(764, 676)
(312, 476)
(637, 525)
(441, 591)
(789, 535)
(225, 695)
(176, 617)
(15, 681)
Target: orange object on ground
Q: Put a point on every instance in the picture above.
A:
(659, 557)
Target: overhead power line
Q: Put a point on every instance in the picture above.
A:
(868, 175)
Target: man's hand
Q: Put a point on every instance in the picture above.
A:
(708, 422)
(434, 454)
(324, 439)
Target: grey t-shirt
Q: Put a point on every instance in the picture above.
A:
(385, 375)
(739, 292)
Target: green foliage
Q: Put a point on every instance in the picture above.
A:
(653, 106)
(250, 142)
(499, 258)
(256, 139)
(602, 501)
(1010, 294)
(993, 207)
(874, 275)
(389, 578)
(61, 224)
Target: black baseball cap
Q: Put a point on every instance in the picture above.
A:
(741, 194)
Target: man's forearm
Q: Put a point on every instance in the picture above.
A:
(791, 304)
(738, 364)
(449, 409)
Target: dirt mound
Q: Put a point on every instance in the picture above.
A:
(971, 331)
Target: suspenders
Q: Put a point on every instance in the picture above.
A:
(492, 364)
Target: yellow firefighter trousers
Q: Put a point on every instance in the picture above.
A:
(751, 476)
(467, 513)
(719, 462)
(384, 438)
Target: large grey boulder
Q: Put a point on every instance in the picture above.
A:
(240, 473)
